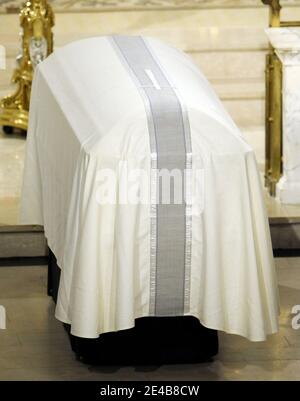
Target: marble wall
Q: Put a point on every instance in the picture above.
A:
(11, 6)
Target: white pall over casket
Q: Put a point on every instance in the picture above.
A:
(110, 117)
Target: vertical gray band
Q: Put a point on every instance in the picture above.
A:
(170, 146)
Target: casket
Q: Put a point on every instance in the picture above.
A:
(110, 119)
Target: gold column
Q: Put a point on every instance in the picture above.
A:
(274, 123)
(275, 8)
(273, 139)
(36, 20)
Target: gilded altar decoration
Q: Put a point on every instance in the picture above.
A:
(36, 20)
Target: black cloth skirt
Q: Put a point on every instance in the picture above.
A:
(153, 340)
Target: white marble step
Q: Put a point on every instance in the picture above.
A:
(178, 25)
(239, 89)
(248, 114)
(188, 30)
(188, 38)
(218, 67)
(245, 107)
(229, 45)
(215, 65)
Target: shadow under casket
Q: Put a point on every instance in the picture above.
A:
(153, 340)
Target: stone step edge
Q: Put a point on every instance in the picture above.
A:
(285, 234)
(223, 90)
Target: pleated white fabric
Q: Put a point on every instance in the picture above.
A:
(87, 115)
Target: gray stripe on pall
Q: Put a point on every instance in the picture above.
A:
(168, 141)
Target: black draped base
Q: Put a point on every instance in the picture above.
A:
(153, 340)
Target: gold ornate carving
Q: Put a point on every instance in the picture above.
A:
(275, 8)
(36, 20)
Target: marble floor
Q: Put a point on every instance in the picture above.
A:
(35, 346)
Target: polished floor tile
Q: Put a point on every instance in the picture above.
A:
(35, 346)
